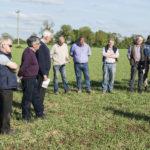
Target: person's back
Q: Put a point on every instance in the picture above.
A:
(44, 61)
(43, 57)
(29, 65)
(28, 73)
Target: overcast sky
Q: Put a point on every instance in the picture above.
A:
(122, 16)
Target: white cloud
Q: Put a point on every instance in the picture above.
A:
(42, 1)
(29, 18)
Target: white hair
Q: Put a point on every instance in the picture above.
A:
(47, 33)
(3, 39)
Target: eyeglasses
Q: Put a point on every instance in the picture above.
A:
(10, 45)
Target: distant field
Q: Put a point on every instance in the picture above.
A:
(74, 121)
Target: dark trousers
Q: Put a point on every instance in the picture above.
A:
(137, 67)
(41, 90)
(31, 96)
(145, 78)
(6, 97)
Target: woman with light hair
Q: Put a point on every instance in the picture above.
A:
(8, 82)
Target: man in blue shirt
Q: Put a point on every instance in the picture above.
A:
(80, 52)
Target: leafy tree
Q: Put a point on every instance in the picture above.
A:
(47, 26)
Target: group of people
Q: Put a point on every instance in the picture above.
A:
(36, 64)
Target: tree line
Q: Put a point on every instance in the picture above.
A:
(96, 39)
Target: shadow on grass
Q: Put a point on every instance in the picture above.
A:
(131, 115)
(17, 110)
(97, 85)
(16, 104)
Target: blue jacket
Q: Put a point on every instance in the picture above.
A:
(147, 50)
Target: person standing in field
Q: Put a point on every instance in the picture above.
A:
(28, 73)
(60, 57)
(147, 61)
(8, 83)
(110, 56)
(44, 61)
(80, 51)
(137, 62)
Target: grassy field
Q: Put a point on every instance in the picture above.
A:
(119, 121)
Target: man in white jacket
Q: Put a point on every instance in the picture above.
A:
(60, 57)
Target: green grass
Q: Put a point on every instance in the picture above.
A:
(119, 121)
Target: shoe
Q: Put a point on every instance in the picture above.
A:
(7, 132)
(112, 92)
(131, 90)
(41, 116)
(103, 92)
(140, 91)
(89, 91)
(79, 91)
(146, 89)
(56, 93)
(26, 120)
(67, 91)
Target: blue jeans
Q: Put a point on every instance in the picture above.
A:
(79, 68)
(62, 70)
(109, 70)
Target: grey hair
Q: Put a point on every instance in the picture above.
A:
(47, 33)
(32, 40)
(4, 39)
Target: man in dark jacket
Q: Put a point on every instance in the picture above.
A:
(137, 60)
(8, 82)
(147, 61)
(28, 72)
(43, 57)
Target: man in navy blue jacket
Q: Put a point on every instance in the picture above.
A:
(43, 57)
(8, 82)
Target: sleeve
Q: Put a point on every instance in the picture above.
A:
(4, 60)
(52, 52)
(104, 53)
(25, 64)
(72, 50)
(146, 51)
(44, 61)
(89, 51)
(129, 53)
(117, 53)
(67, 53)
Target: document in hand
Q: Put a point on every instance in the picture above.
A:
(46, 83)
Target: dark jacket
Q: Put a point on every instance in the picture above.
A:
(29, 64)
(43, 57)
(132, 55)
(8, 79)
